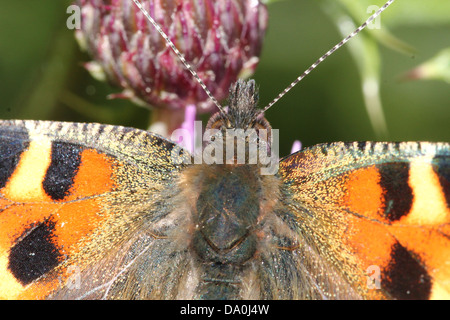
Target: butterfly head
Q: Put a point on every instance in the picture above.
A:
(242, 129)
(242, 111)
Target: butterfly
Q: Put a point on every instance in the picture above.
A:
(93, 211)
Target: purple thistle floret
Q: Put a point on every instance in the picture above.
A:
(221, 39)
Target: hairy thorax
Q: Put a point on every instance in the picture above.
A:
(229, 207)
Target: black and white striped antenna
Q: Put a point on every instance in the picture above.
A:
(179, 54)
(329, 53)
(300, 78)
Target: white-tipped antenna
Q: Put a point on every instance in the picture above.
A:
(179, 54)
(326, 55)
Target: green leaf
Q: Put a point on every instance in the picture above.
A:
(365, 52)
(436, 68)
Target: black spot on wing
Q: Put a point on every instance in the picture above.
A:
(10, 156)
(361, 146)
(164, 144)
(12, 145)
(35, 254)
(397, 193)
(124, 133)
(441, 165)
(405, 277)
(66, 159)
(101, 130)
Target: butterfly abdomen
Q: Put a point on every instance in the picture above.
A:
(227, 231)
(224, 238)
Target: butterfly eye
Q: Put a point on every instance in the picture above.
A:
(263, 129)
(218, 122)
(262, 123)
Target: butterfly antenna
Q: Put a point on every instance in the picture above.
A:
(326, 55)
(179, 54)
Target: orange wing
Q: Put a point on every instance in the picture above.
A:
(378, 212)
(69, 193)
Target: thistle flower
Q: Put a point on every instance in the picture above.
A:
(221, 39)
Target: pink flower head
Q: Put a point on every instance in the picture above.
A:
(220, 39)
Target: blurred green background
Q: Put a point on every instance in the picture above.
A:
(42, 78)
